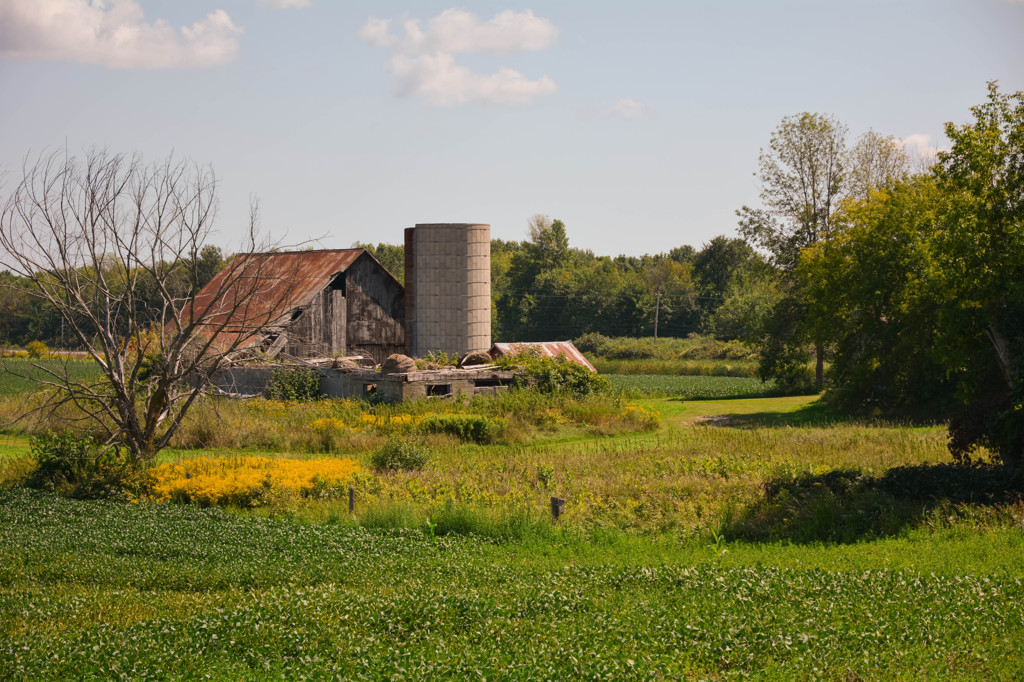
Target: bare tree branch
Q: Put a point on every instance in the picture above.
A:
(113, 245)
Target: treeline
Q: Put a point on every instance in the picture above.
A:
(542, 289)
(27, 317)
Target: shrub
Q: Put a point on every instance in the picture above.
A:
(79, 467)
(632, 350)
(36, 349)
(553, 375)
(591, 342)
(466, 427)
(400, 455)
(558, 375)
(293, 383)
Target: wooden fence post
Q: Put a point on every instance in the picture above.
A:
(557, 507)
(351, 499)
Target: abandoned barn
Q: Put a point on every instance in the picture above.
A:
(309, 304)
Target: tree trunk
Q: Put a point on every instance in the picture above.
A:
(1011, 457)
(819, 365)
(1001, 345)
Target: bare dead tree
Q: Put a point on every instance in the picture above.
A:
(114, 245)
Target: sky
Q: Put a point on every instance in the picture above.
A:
(637, 124)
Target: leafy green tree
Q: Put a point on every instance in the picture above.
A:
(548, 240)
(875, 161)
(715, 267)
(980, 251)
(390, 256)
(875, 284)
(801, 178)
(801, 182)
(752, 294)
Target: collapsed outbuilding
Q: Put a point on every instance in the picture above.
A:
(544, 349)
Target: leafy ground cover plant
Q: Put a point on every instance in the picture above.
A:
(400, 455)
(690, 387)
(466, 427)
(77, 466)
(250, 597)
(19, 376)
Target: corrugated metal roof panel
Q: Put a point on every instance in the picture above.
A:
(548, 349)
(255, 290)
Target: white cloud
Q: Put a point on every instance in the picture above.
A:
(628, 109)
(423, 60)
(922, 145)
(286, 4)
(113, 34)
(918, 141)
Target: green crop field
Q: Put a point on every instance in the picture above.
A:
(678, 367)
(101, 590)
(20, 375)
(690, 387)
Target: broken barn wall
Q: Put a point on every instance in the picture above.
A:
(375, 310)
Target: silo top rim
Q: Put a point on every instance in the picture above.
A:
(429, 225)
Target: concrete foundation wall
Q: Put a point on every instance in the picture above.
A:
(243, 380)
(367, 384)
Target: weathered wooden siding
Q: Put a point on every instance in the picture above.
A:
(375, 310)
(361, 310)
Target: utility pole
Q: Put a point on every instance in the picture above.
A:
(657, 307)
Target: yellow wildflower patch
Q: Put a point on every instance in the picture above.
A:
(247, 481)
(393, 421)
(328, 423)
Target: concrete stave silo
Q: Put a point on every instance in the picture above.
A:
(447, 288)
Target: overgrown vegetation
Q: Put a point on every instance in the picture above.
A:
(293, 383)
(400, 455)
(692, 356)
(79, 467)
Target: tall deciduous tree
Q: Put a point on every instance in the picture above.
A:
(801, 176)
(801, 181)
(878, 299)
(119, 248)
(875, 161)
(981, 253)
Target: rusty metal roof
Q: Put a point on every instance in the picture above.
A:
(548, 349)
(256, 290)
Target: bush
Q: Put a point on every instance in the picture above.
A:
(79, 467)
(632, 350)
(400, 455)
(466, 427)
(293, 383)
(554, 375)
(36, 349)
(591, 342)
